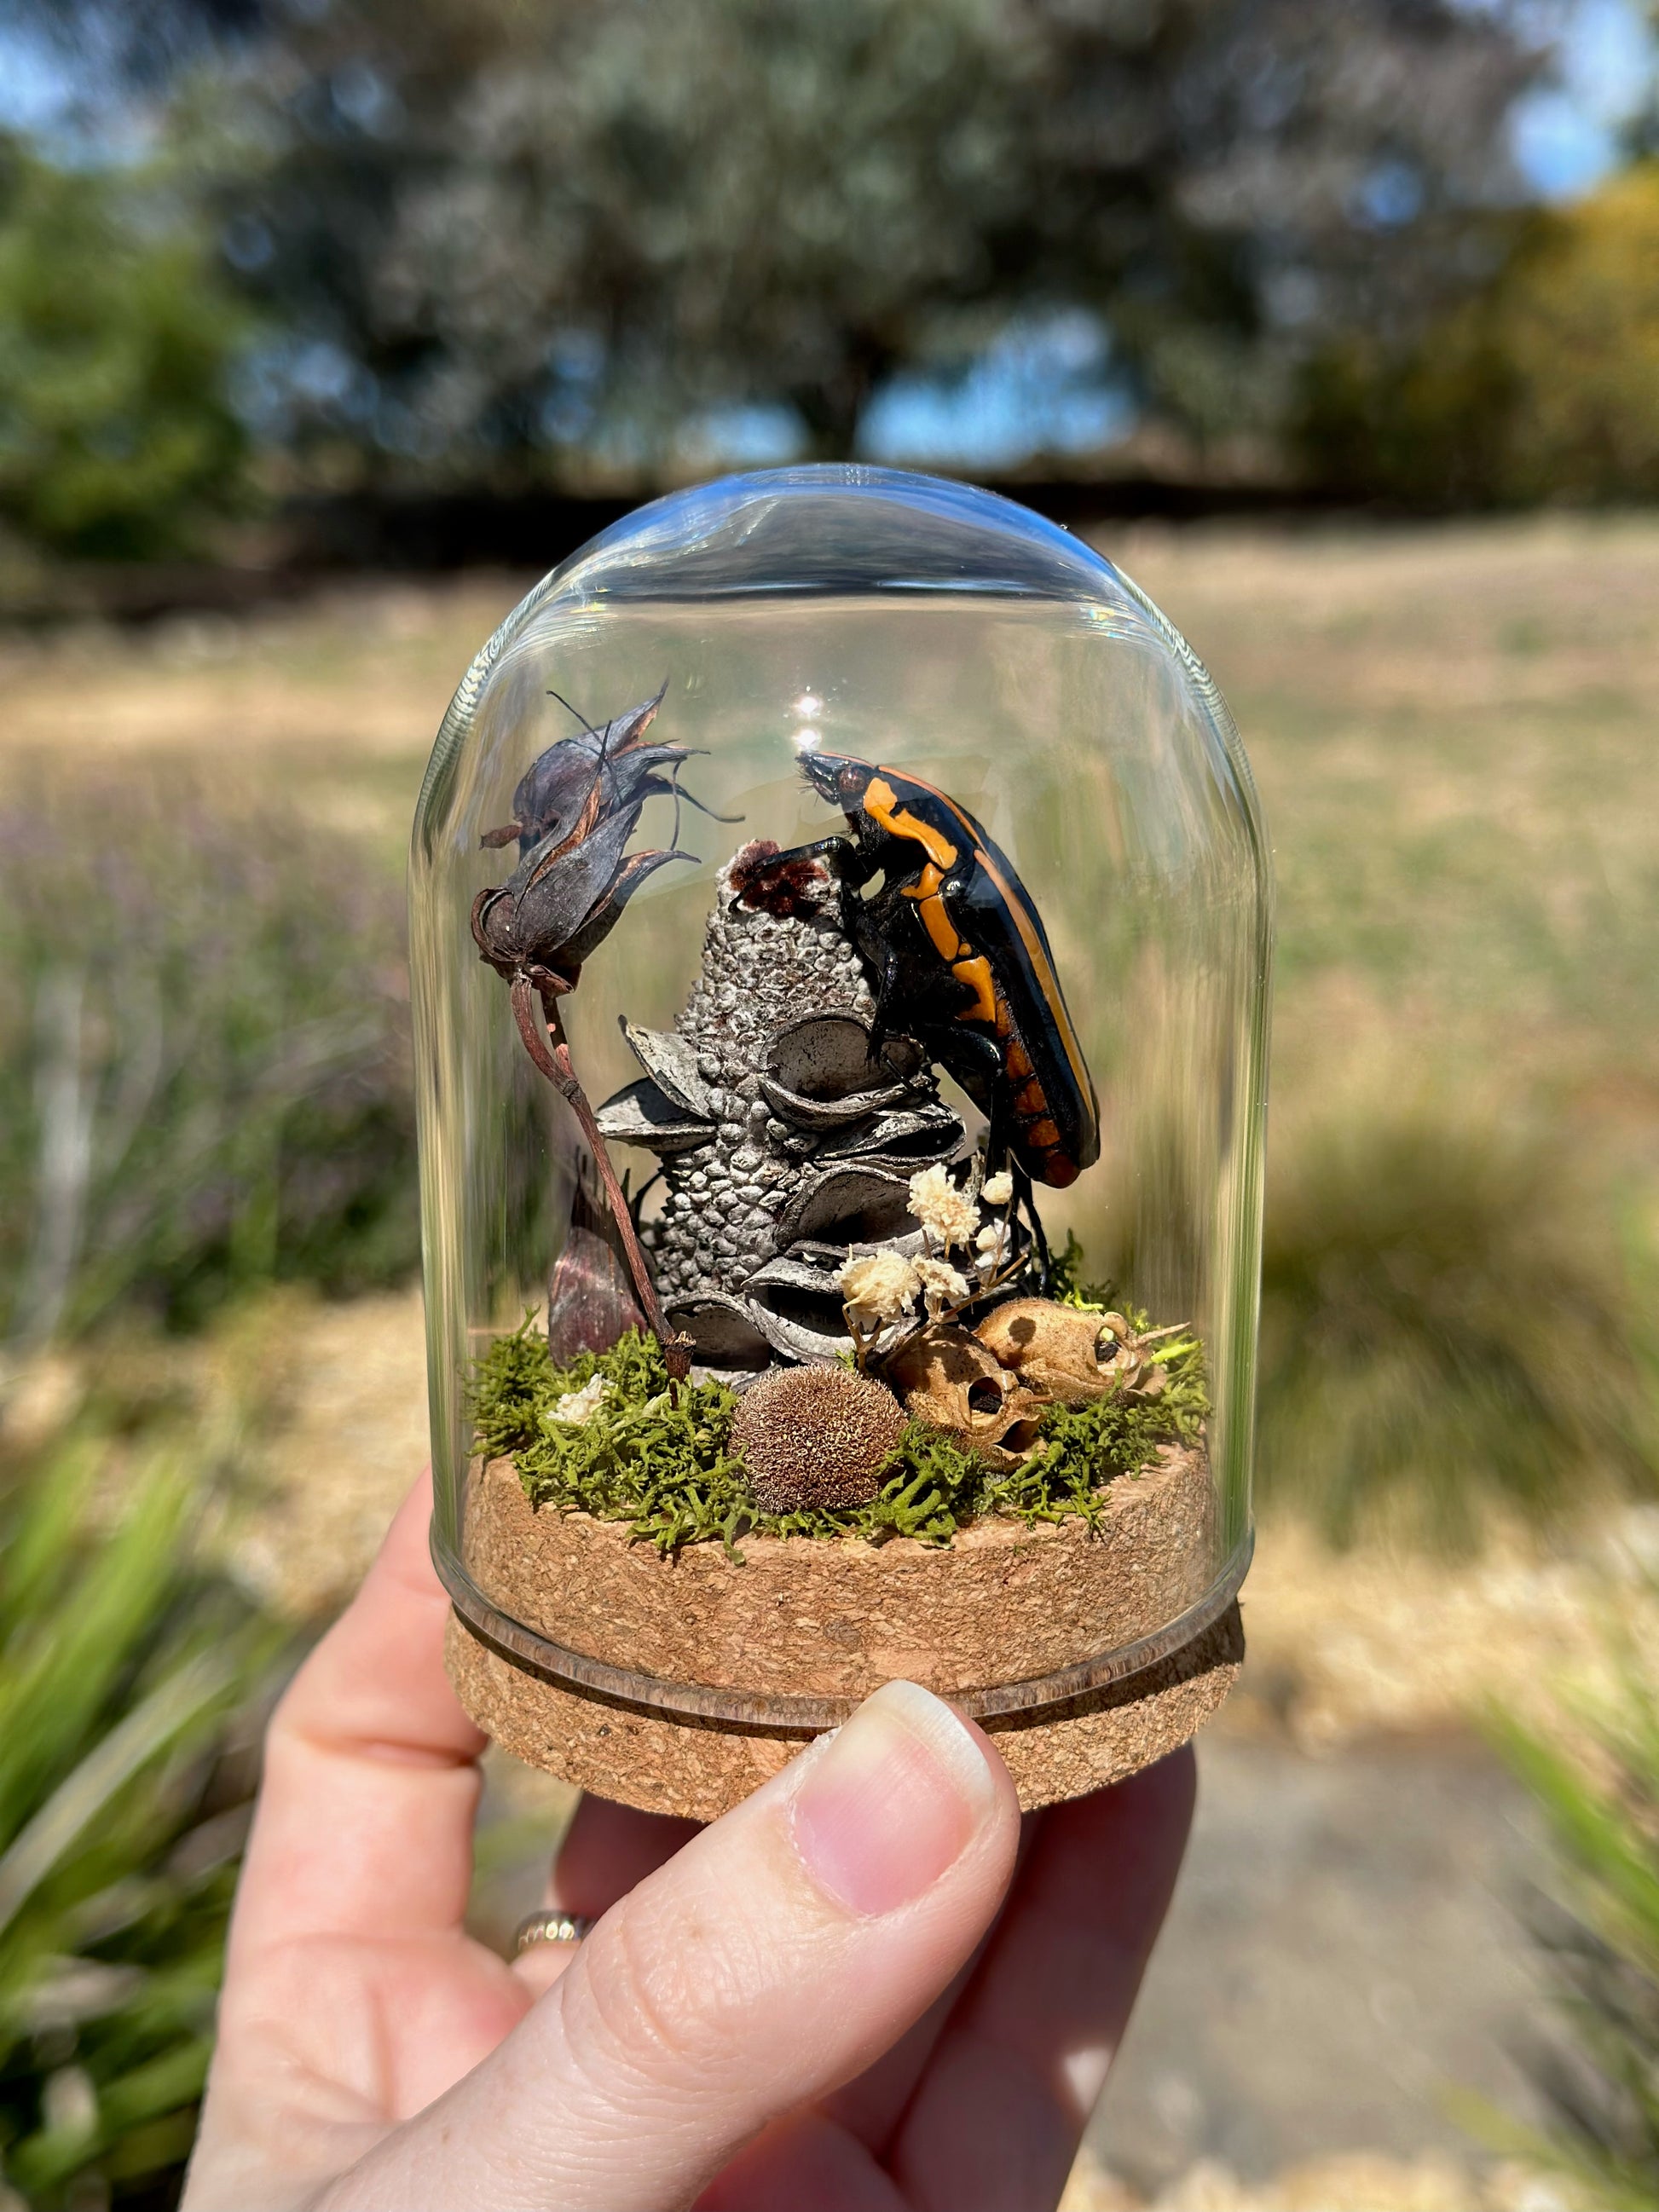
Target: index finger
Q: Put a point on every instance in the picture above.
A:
(371, 1777)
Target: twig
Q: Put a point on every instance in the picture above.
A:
(546, 1041)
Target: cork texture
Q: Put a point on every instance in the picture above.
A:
(800, 1616)
(700, 1771)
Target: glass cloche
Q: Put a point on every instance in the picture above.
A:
(840, 934)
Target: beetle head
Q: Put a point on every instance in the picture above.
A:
(839, 778)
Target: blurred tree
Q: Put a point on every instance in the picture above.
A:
(1545, 384)
(490, 231)
(117, 437)
(1576, 323)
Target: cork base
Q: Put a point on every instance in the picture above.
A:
(1002, 1603)
(700, 1770)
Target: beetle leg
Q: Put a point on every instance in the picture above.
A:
(1024, 1201)
(996, 1120)
(998, 1153)
(887, 988)
(954, 1049)
(849, 863)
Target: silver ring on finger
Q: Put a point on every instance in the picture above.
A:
(548, 1927)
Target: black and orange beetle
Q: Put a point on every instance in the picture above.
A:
(961, 960)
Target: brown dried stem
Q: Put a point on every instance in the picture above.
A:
(546, 1041)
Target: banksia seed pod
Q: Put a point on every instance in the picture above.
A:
(786, 1136)
(816, 1437)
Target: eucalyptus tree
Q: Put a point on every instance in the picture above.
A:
(490, 232)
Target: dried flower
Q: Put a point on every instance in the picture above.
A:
(941, 1286)
(577, 1407)
(990, 1236)
(816, 1437)
(879, 1288)
(949, 1215)
(796, 888)
(576, 808)
(998, 1188)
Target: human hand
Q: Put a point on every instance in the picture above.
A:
(869, 1987)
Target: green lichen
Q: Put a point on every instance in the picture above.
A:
(670, 1471)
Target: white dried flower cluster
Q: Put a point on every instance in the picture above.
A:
(878, 1289)
(883, 1287)
(950, 1215)
(941, 1286)
(576, 1406)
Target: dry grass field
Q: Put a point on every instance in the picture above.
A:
(1454, 734)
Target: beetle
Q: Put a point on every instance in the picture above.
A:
(961, 959)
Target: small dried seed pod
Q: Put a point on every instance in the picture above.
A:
(1052, 1347)
(1069, 1354)
(949, 1380)
(816, 1437)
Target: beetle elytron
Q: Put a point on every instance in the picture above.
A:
(961, 958)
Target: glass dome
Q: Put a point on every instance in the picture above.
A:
(863, 871)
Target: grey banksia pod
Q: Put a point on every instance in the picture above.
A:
(787, 1141)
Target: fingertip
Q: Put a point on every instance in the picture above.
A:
(774, 1957)
(1003, 1780)
(894, 1799)
(377, 1677)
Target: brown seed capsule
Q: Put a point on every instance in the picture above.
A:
(948, 1379)
(816, 1437)
(1052, 1347)
(1069, 1354)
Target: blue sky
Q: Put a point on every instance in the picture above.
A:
(1566, 136)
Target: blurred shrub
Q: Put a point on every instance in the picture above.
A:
(1447, 1322)
(125, 1777)
(1599, 1941)
(1579, 324)
(203, 1059)
(117, 438)
(1546, 385)
(1429, 428)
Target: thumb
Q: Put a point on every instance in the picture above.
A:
(777, 1955)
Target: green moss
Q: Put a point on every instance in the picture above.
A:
(669, 1471)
